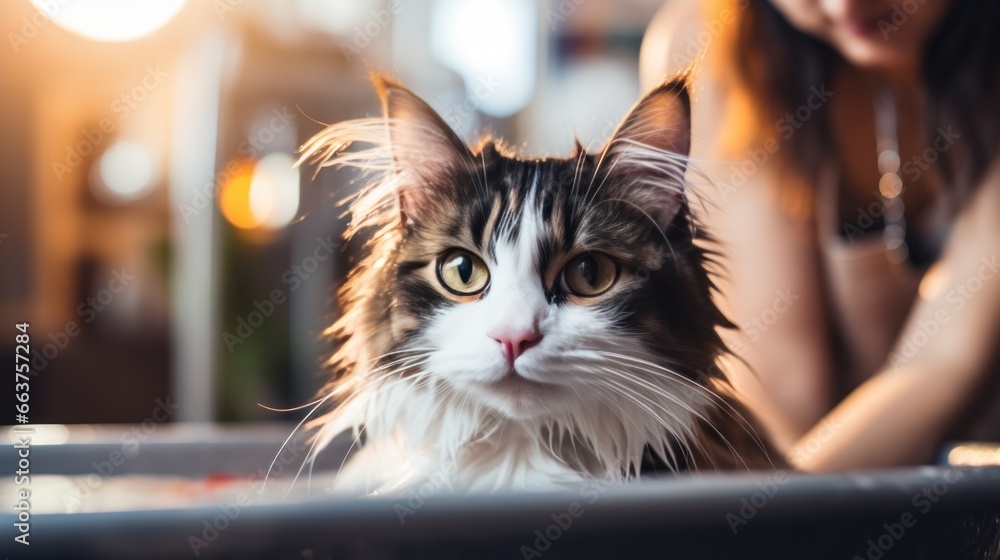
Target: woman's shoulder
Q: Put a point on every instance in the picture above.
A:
(663, 53)
(684, 36)
(685, 33)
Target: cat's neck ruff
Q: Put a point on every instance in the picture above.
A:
(417, 433)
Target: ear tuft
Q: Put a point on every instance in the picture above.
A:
(424, 148)
(661, 120)
(648, 153)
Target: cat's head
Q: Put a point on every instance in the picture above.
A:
(532, 287)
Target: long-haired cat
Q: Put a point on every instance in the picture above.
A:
(525, 323)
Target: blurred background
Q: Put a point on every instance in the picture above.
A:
(152, 230)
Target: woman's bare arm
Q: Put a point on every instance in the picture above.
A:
(770, 286)
(769, 282)
(899, 415)
(945, 355)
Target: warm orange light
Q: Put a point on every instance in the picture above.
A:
(974, 455)
(262, 194)
(234, 198)
(934, 281)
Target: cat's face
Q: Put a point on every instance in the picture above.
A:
(537, 287)
(518, 276)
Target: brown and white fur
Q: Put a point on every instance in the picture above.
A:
(525, 384)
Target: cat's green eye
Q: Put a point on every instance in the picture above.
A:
(462, 273)
(589, 274)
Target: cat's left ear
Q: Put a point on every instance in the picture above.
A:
(647, 156)
(423, 146)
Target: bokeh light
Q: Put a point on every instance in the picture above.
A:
(125, 172)
(274, 190)
(264, 194)
(234, 198)
(493, 45)
(110, 20)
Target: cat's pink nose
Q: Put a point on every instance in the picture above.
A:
(515, 342)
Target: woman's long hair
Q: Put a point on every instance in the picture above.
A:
(777, 65)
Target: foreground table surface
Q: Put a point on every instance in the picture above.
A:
(925, 512)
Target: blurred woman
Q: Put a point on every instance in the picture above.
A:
(857, 206)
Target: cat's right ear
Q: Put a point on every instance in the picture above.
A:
(424, 147)
(649, 151)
